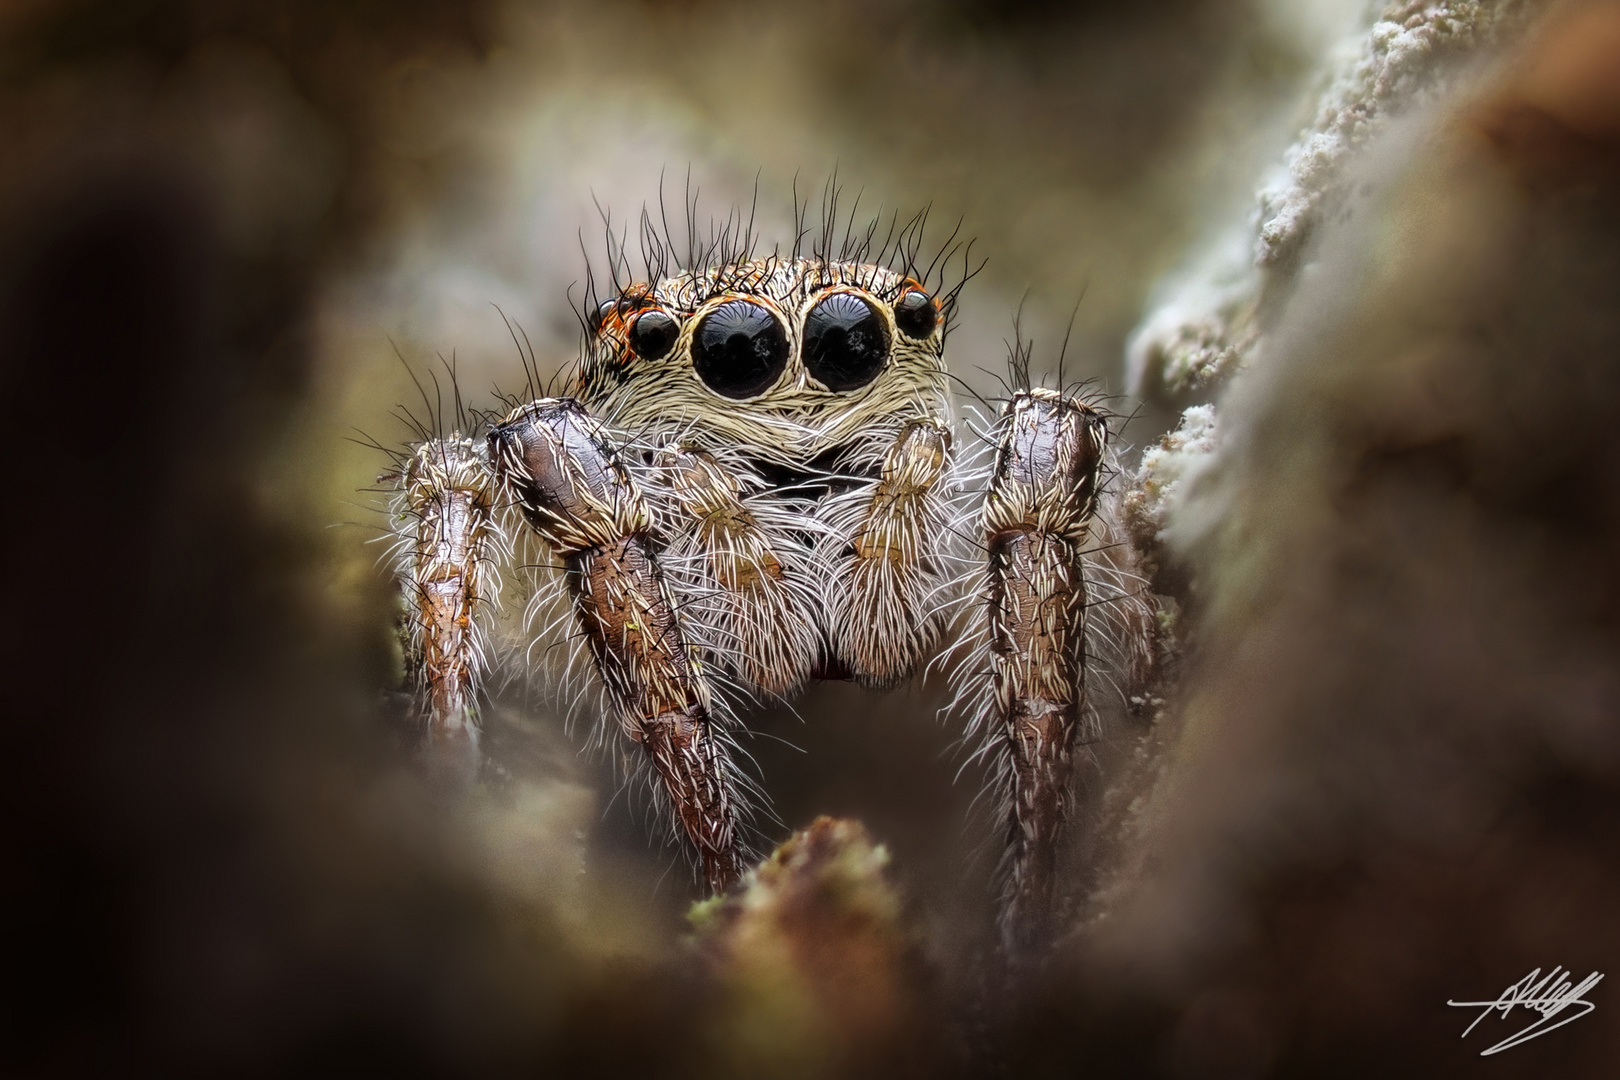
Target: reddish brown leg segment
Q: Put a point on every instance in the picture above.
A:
(642, 656)
(588, 510)
(1037, 520)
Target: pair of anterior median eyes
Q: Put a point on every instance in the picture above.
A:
(740, 347)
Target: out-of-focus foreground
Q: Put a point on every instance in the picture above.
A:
(1384, 771)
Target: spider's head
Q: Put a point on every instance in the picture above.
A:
(792, 358)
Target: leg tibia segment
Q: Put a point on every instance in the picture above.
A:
(593, 517)
(1036, 520)
(692, 768)
(1037, 611)
(649, 671)
(883, 616)
(630, 624)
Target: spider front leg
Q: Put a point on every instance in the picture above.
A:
(551, 457)
(1037, 522)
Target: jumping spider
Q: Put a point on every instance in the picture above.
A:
(750, 483)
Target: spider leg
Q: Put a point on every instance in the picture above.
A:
(551, 457)
(447, 542)
(884, 617)
(1037, 520)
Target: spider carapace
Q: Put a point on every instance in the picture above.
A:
(752, 482)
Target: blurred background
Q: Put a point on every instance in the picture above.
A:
(222, 227)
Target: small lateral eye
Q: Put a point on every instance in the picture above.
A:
(599, 315)
(623, 304)
(739, 349)
(653, 334)
(915, 314)
(846, 342)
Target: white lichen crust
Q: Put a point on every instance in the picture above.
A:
(1406, 55)
(1205, 327)
(1168, 470)
(1212, 322)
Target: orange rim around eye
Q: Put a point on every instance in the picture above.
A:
(615, 312)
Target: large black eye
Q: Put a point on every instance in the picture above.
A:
(652, 335)
(915, 314)
(846, 342)
(739, 349)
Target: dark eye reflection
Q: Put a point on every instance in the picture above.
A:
(599, 315)
(739, 349)
(846, 342)
(915, 314)
(653, 334)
